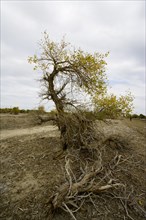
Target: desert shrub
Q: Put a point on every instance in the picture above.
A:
(101, 115)
(111, 106)
(89, 115)
(15, 111)
(5, 110)
(134, 116)
(142, 116)
(22, 111)
(41, 109)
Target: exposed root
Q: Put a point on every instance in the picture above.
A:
(76, 189)
(87, 177)
(95, 165)
(76, 130)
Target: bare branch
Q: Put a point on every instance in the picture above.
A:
(62, 87)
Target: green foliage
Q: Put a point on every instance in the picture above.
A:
(60, 62)
(15, 111)
(5, 110)
(142, 116)
(22, 111)
(63, 63)
(89, 115)
(109, 106)
(101, 115)
(135, 116)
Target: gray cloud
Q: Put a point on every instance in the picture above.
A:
(115, 26)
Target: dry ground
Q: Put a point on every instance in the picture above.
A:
(31, 170)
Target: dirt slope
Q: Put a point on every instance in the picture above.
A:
(31, 171)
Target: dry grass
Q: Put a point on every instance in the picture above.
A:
(32, 176)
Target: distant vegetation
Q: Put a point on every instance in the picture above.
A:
(41, 110)
(16, 110)
(139, 116)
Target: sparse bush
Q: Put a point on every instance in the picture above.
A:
(142, 116)
(41, 109)
(110, 106)
(89, 115)
(101, 115)
(15, 111)
(22, 111)
(5, 110)
(134, 116)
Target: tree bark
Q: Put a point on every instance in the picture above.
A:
(59, 107)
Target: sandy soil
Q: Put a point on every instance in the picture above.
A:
(4, 134)
(31, 172)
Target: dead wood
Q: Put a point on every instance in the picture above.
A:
(85, 185)
(43, 119)
(76, 130)
(88, 172)
(78, 187)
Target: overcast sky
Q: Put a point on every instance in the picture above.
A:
(115, 26)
